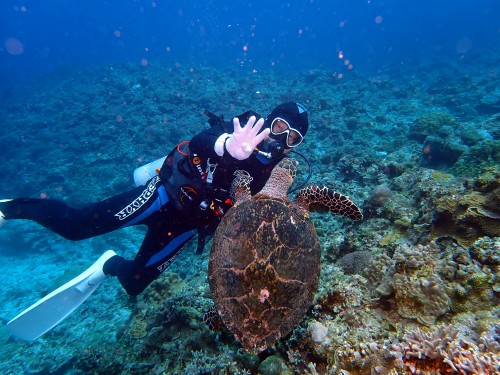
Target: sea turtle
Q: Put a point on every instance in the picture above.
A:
(265, 260)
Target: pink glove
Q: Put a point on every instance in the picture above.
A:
(243, 141)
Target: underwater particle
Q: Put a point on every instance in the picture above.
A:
(13, 46)
(22, 9)
(378, 19)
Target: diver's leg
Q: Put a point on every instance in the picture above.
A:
(166, 236)
(129, 208)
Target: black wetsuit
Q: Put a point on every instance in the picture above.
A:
(189, 195)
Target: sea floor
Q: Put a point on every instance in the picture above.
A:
(417, 146)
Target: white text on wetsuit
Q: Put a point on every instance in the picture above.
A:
(139, 201)
(162, 267)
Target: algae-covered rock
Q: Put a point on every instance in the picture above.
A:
(441, 152)
(486, 251)
(274, 365)
(492, 99)
(478, 159)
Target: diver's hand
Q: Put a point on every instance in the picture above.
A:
(243, 141)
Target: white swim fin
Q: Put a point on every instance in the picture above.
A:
(2, 216)
(56, 306)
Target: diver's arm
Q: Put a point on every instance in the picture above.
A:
(203, 143)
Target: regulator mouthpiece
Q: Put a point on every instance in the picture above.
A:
(275, 148)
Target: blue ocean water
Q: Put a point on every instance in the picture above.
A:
(404, 105)
(38, 36)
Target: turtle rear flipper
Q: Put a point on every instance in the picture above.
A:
(213, 320)
(321, 199)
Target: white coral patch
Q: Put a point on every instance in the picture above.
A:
(318, 332)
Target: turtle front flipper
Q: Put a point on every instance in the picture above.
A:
(240, 188)
(321, 199)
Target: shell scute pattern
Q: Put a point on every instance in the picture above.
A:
(265, 262)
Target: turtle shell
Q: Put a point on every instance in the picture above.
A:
(264, 270)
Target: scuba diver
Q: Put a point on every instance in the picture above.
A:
(189, 194)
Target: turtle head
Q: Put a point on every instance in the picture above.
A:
(281, 178)
(289, 166)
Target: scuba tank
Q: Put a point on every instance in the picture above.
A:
(146, 172)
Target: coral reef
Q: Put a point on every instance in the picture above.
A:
(394, 289)
(442, 151)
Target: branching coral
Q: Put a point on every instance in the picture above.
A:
(201, 362)
(444, 352)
